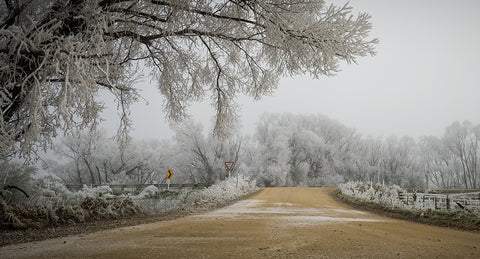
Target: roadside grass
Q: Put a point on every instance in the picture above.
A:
(461, 220)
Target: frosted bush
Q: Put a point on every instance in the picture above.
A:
(172, 203)
(150, 198)
(51, 183)
(150, 191)
(381, 194)
(219, 194)
(231, 189)
(100, 191)
(76, 198)
(54, 204)
(51, 190)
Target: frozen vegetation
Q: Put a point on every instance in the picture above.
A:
(389, 196)
(54, 204)
(421, 207)
(219, 194)
(377, 193)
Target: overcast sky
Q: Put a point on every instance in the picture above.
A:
(424, 77)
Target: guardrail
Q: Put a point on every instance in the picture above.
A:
(459, 201)
(136, 188)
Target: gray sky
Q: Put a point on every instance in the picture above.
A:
(424, 77)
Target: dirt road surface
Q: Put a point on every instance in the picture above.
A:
(276, 222)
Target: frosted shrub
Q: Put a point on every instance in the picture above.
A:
(150, 191)
(53, 183)
(231, 189)
(381, 194)
(76, 198)
(219, 194)
(92, 203)
(51, 190)
(100, 191)
(173, 203)
(54, 204)
(98, 208)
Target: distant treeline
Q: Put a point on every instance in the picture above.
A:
(285, 150)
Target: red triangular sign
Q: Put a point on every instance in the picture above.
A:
(229, 165)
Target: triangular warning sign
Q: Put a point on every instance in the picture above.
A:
(229, 165)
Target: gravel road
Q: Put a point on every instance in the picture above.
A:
(276, 222)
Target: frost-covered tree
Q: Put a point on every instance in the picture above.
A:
(55, 56)
(17, 179)
(314, 150)
(193, 151)
(301, 150)
(463, 141)
(87, 156)
(367, 161)
(452, 160)
(438, 164)
(93, 158)
(399, 161)
(270, 166)
(200, 158)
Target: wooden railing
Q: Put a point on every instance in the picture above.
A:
(136, 188)
(465, 201)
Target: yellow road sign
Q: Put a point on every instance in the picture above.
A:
(169, 174)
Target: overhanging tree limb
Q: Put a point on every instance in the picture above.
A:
(56, 55)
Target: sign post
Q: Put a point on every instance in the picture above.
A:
(169, 177)
(229, 166)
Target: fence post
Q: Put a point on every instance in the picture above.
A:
(448, 203)
(435, 201)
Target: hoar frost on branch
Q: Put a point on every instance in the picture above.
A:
(55, 56)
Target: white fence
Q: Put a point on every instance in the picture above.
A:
(460, 201)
